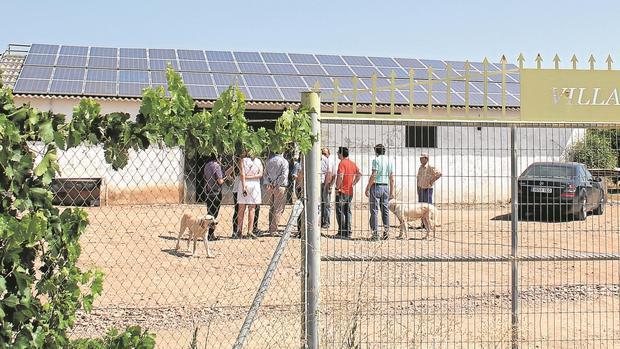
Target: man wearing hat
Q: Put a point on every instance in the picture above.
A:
(427, 176)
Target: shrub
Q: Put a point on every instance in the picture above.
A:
(595, 151)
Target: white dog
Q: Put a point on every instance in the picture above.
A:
(198, 228)
(406, 212)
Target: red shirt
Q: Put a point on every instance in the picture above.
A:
(348, 169)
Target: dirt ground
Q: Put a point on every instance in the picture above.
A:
(448, 304)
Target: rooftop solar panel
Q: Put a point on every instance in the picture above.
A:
(74, 50)
(248, 57)
(131, 89)
(383, 61)
(409, 63)
(133, 76)
(357, 60)
(223, 67)
(69, 73)
(34, 72)
(131, 63)
(100, 88)
(303, 58)
(103, 51)
(310, 69)
(66, 87)
(265, 94)
(323, 81)
(259, 80)
(101, 75)
(195, 66)
(338, 70)
(158, 77)
(102, 62)
(31, 86)
(71, 61)
(155, 53)
(220, 56)
(398, 72)
(289, 81)
(227, 79)
(162, 64)
(132, 52)
(330, 59)
(202, 91)
(271, 57)
(44, 49)
(365, 71)
(435, 64)
(32, 59)
(281, 69)
(197, 78)
(292, 94)
(195, 55)
(253, 68)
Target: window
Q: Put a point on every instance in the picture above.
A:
(421, 137)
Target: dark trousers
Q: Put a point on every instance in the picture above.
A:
(214, 201)
(343, 214)
(299, 192)
(236, 213)
(325, 205)
(425, 195)
(379, 197)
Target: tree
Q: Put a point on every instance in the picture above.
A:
(595, 151)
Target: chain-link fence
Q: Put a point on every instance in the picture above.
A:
(465, 272)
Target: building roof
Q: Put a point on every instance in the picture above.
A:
(267, 78)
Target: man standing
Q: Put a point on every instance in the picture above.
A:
(348, 176)
(380, 190)
(214, 178)
(427, 176)
(276, 181)
(326, 187)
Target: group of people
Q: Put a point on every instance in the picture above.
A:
(279, 177)
(275, 181)
(379, 189)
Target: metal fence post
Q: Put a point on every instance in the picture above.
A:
(312, 102)
(514, 241)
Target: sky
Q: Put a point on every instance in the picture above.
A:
(446, 30)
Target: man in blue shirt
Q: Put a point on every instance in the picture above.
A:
(380, 190)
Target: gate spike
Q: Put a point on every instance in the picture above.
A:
(538, 61)
(591, 60)
(556, 61)
(609, 61)
(521, 60)
(574, 60)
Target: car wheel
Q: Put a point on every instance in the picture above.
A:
(583, 208)
(600, 209)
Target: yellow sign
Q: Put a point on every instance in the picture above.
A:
(570, 95)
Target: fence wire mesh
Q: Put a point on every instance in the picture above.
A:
(453, 287)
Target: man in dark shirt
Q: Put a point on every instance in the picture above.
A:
(214, 178)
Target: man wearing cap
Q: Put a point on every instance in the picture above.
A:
(427, 176)
(380, 190)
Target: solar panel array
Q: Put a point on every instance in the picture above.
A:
(262, 76)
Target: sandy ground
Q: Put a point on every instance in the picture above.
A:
(378, 304)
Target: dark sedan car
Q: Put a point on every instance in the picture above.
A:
(560, 189)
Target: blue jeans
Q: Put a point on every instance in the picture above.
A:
(425, 195)
(343, 214)
(325, 205)
(379, 197)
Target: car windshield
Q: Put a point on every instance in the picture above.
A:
(551, 171)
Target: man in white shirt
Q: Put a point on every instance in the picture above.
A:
(327, 177)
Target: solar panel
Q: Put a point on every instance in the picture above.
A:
(197, 78)
(195, 66)
(292, 94)
(327, 95)
(158, 77)
(330, 59)
(271, 57)
(303, 58)
(310, 69)
(40, 60)
(365, 71)
(435, 64)
(357, 60)
(131, 63)
(131, 89)
(338, 70)
(74, 50)
(409, 63)
(133, 76)
(491, 88)
(347, 83)
(383, 62)
(103, 51)
(227, 79)
(223, 67)
(248, 57)
(44, 49)
(399, 72)
(69, 73)
(100, 88)
(202, 91)
(195, 55)
(31, 86)
(323, 81)
(66, 87)
(243, 89)
(259, 80)
(156, 53)
(253, 68)
(132, 52)
(162, 64)
(31, 72)
(101, 75)
(289, 81)
(71, 61)
(220, 56)
(102, 62)
(265, 94)
(281, 69)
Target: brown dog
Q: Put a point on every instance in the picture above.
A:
(406, 212)
(198, 228)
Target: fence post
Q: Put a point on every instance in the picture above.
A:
(514, 241)
(312, 102)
